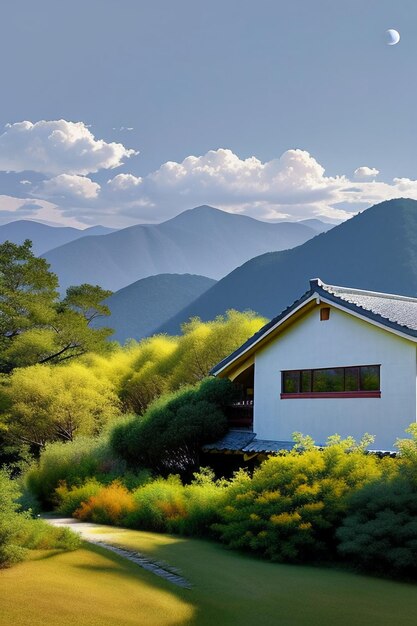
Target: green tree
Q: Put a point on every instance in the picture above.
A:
(55, 403)
(35, 327)
(169, 436)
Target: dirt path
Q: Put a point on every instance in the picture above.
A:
(87, 532)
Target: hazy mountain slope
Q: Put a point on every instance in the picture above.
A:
(138, 309)
(202, 241)
(45, 237)
(376, 250)
(318, 225)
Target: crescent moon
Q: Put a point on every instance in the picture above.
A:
(393, 36)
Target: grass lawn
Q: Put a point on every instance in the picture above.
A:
(95, 587)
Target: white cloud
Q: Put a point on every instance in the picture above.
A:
(365, 173)
(294, 186)
(57, 147)
(70, 185)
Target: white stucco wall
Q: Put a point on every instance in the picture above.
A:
(343, 340)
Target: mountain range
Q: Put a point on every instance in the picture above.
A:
(375, 250)
(138, 309)
(46, 237)
(203, 241)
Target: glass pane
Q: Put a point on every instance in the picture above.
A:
(369, 375)
(328, 380)
(305, 381)
(291, 382)
(351, 378)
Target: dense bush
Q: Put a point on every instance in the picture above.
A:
(72, 463)
(19, 532)
(53, 403)
(290, 509)
(69, 499)
(168, 438)
(379, 532)
(110, 505)
(10, 522)
(164, 505)
(36, 534)
(163, 364)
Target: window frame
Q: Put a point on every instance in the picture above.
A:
(330, 394)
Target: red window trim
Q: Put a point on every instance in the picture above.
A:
(330, 394)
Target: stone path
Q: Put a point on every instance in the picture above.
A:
(159, 569)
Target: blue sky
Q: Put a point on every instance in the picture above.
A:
(311, 83)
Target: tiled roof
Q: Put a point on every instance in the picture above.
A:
(233, 441)
(263, 445)
(399, 310)
(395, 312)
(245, 441)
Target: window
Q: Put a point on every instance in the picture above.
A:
(361, 381)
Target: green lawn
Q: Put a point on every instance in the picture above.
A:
(95, 587)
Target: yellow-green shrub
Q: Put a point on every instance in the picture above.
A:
(290, 509)
(71, 499)
(110, 505)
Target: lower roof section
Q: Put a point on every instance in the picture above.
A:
(245, 442)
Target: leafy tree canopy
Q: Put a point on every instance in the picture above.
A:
(35, 326)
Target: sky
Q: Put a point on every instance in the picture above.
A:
(129, 111)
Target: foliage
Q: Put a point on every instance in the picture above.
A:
(36, 534)
(163, 364)
(169, 506)
(379, 532)
(19, 532)
(47, 403)
(291, 507)
(110, 505)
(165, 505)
(70, 499)
(35, 327)
(149, 375)
(10, 522)
(72, 463)
(169, 436)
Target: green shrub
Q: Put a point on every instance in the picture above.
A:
(204, 499)
(36, 534)
(70, 499)
(11, 522)
(169, 436)
(110, 505)
(157, 505)
(291, 507)
(166, 505)
(379, 532)
(72, 463)
(19, 532)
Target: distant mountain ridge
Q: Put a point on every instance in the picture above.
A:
(138, 309)
(203, 241)
(375, 250)
(46, 237)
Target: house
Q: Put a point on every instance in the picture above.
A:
(338, 360)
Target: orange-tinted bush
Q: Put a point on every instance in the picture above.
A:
(109, 506)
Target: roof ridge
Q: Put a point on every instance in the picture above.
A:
(365, 292)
